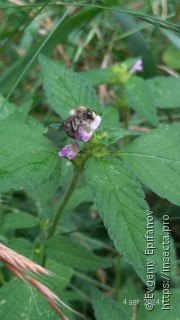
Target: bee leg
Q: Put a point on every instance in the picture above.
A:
(75, 123)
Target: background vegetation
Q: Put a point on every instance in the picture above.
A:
(85, 220)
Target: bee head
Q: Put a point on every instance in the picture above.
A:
(90, 114)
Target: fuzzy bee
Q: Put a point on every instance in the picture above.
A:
(79, 117)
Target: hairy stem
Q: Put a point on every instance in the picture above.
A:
(64, 202)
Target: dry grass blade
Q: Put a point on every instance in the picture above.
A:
(19, 266)
(51, 297)
(20, 262)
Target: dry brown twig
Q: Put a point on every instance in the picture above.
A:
(23, 268)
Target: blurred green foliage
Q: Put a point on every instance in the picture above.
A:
(89, 44)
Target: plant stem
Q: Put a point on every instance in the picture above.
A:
(126, 117)
(64, 202)
(92, 281)
(118, 277)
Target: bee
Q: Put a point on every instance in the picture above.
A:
(79, 117)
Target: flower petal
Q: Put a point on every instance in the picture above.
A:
(87, 136)
(95, 124)
(70, 151)
(137, 67)
(64, 151)
(86, 132)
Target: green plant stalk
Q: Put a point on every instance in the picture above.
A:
(150, 19)
(126, 117)
(124, 108)
(64, 202)
(93, 281)
(118, 277)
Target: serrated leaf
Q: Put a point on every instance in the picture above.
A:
(165, 91)
(140, 99)
(20, 301)
(106, 308)
(27, 159)
(66, 89)
(19, 220)
(117, 208)
(21, 115)
(155, 159)
(63, 250)
(122, 207)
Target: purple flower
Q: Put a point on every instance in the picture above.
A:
(86, 132)
(137, 67)
(70, 151)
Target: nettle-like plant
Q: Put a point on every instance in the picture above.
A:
(107, 168)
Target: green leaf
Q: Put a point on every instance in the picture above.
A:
(66, 89)
(19, 220)
(97, 76)
(140, 99)
(105, 75)
(6, 108)
(63, 250)
(79, 196)
(137, 41)
(44, 192)
(21, 246)
(112, 135)
(122, 207)
(21, 301)
(105, 308)
(27, 159)
(61, 274)
(111, 117)
(155, 158)
(171, 57)
(165, 91)
(130, 292)
(123, 215)
(173, 37)
(21, 113)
